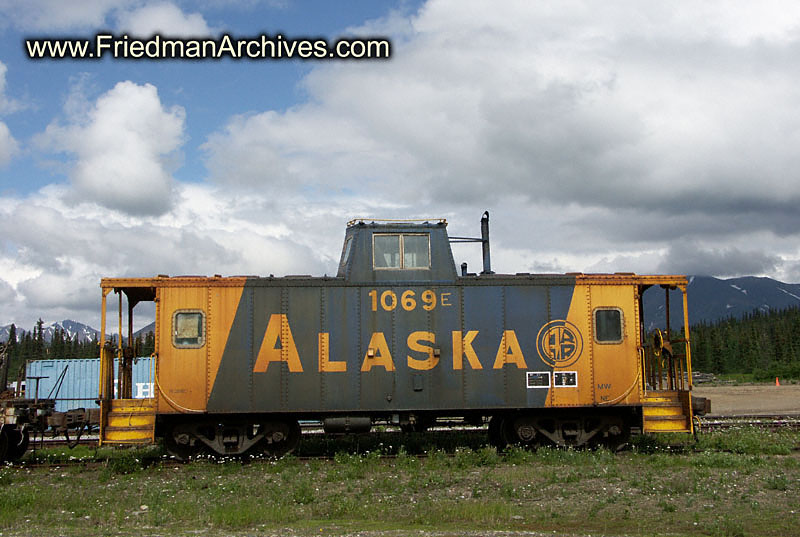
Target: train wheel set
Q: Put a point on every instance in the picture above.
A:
(273, 438)
(580, 430)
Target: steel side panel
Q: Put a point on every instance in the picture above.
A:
(340, 390)
(348, 316)
(300, 390)
(483, 312)
(182, 372)
(443, 385)
(232, 390)
(266, 389)
(223, 305)
(526, 313)
(415, 387)
(579, 317)
(616, 364)
(558, 307)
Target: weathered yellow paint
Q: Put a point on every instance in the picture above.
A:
(130, 421)
(616, 371)
(462, 346)
(667, 411)
(582, 393)
(509, 351)
(181, 374)
(414, 344)
(325, 364)
(224, 302)
(382, 357)
(278, 331)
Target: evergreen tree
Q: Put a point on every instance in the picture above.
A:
(12, 341)
(149, 344)
(39, 347)
(57, 344)
(762, 344)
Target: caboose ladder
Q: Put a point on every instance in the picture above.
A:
(130, 421)
(667, 411)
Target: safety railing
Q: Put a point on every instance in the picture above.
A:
(666, 366)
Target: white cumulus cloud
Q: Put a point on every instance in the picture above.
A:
(55, 253)
(606, 129)
(163, 18)
(125, 149)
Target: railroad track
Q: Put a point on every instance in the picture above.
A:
(773, 422)
(707, 424)
(40, 443)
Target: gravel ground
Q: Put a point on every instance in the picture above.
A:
(756, 399)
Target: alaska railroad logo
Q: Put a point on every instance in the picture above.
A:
(559, 343)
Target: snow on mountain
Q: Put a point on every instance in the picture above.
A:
(712, 299)
(70, 328)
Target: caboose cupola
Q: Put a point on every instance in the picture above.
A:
(397, 251)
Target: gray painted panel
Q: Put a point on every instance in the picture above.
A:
(483, 311)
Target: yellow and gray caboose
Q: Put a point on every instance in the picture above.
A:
(398, 336)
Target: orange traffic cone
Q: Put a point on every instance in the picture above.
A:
(776, 382)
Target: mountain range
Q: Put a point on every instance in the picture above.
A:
(84, 332)
(710, 299)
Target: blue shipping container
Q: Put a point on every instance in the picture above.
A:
(81, 380)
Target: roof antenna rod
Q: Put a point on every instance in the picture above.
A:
(487, 262)
(484, 240)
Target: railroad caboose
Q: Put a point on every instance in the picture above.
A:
(398, 336)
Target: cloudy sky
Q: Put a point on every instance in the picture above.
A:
(616, 136)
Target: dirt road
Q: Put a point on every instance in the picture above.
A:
(751, 399)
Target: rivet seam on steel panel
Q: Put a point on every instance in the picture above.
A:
(590, 341)
(504, 342)
(323, 291)
(284, 349)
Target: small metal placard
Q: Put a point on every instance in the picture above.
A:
(538, 379)
(565, 379)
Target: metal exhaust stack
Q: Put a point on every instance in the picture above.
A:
(487, 262)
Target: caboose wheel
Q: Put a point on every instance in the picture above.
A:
(616, 436)
(181, 443)
(419, 426)
(281, 438)
(17, 444)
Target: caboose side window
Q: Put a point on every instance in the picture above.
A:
(188, 329)
(401, 251)
(348, 244)
(386, 251)
(416, 251)
(608, 325)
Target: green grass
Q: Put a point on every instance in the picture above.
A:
(737, 378)
(736, 483)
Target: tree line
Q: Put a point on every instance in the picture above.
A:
(23, 345)
(764, 344)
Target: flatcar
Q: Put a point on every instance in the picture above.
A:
(399, 336)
